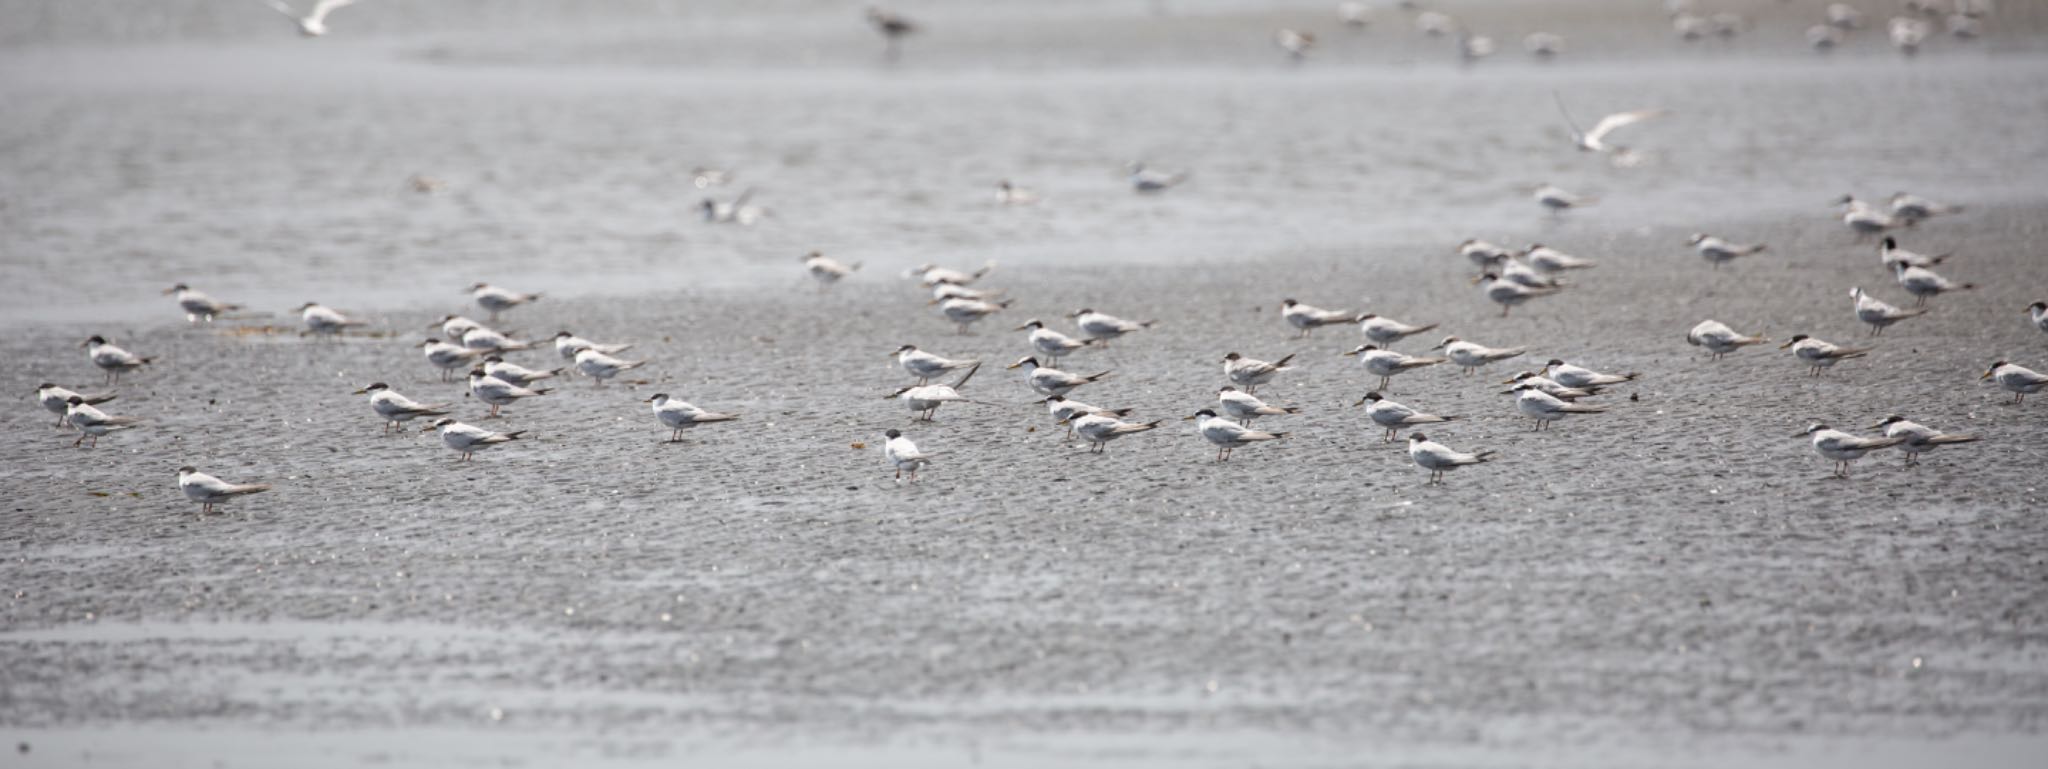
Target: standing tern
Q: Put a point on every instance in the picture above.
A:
(397, 409)
(1249, 373)
(1295, 42)
(1228, 436)
(1545, 408)
(932, 275)
(1923, 283)
(467, 440)
(1819, 356)
(964, 312)
(1719, 339)
(1386, 331)
(905, 455)
(1865, 219)
(112, 360)
(678, 416)
(1049, 343)
(1557, 200)
(1051, 381)
(57, 400)
(2020, 380)
(893, 28)
(1914, 208)
(1556, 389)
(739, 211)
(497, 300)
(1245, 407)
(1394, 416)
(1919, 438)
(1100, 430)
(924, 400)
(209, 491)
(926, 366)
(93, 423)
(515, 373)
(1482, 254)
(1718, 252)
(198, 306)
(1470, 356)
(1387, 363)
(1508, 293)
(567, 345)
(2038, 313)
(944, 291)
(1907, 34)
(826, 270)
(1515, 271)
(454, 326)
(1439, 459)
(1013, 195)
(1549, 259)
(1844, 448)
(449, 358)
(600, 366)
(1102, 327)
(498, 392)
(1878, 313)
(1891, 254)
(1595, 140)
(1573, 376)
(325, 321)
(1305, 318)
(488, 340)
(313, 24)
(1065, 410)
(1823, 38)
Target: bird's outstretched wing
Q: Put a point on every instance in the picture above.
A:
(1615, 121)
(280, 7)
(324, 7)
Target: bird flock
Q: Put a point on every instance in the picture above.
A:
(1558, 391)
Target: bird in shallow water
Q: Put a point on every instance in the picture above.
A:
(197, 305)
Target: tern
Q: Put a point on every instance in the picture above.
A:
(1051, 381)
(1842, 447)
(1556, 389)
(1923, 283)
(1387, 363)
(1543, 45)
(496, 300)
(567, 345)
(1049, 343)
(905, 455)
(1386, 331)
(1545, 408)
(1513, 270)
(57, 400)
(1595, 140)
(1891, 254)
(1439, 459)
(1012, 195)
(1844, 16)
(1249, 373)
(1549, 259)
(1823, 38)
(1245, 407)
(964, 312)
(1914, 208)
(1920, 439)
(467, 440)
(198, 306)
(498, 392)
(209, 491)
(1573, 376)
(1472, 48)
(313, 24)
(706, 178)
(739, 211)
(924, 400)
(600, 366)
(1354, 14)
(1717, 251)
(1394, 416)
(1227, 435)
(112, 360)
(1435, 23)
(396, 409)
(679, 416)
(1295, 42)
(1102, 327)
(926, 366)
(892, 28)
(1689, 27)
(325, 321)
(1556, 199)
(1878, 313)
(515, 373)
(1819, 356)
(454, 326)
(1507, 293)
(487, 340)
(1964, 26)
(933, 275)
(1483, 255)
(1470, 356)
(449, 358)
(1100, 430)
(1907, 34)
(1065, 410)
(1305, 318)
(1719, 339)
(1864, 219)
(92, 423)
(2038, 313)
(1145, 180)
(944, 291)
(826, 270)
(2020, 380)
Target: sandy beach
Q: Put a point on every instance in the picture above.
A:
(1674, 583)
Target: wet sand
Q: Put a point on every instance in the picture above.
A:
(1674, 583)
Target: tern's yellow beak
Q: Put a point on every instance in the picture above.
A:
(1785, 345)
(359, 391)
(1361, 402)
